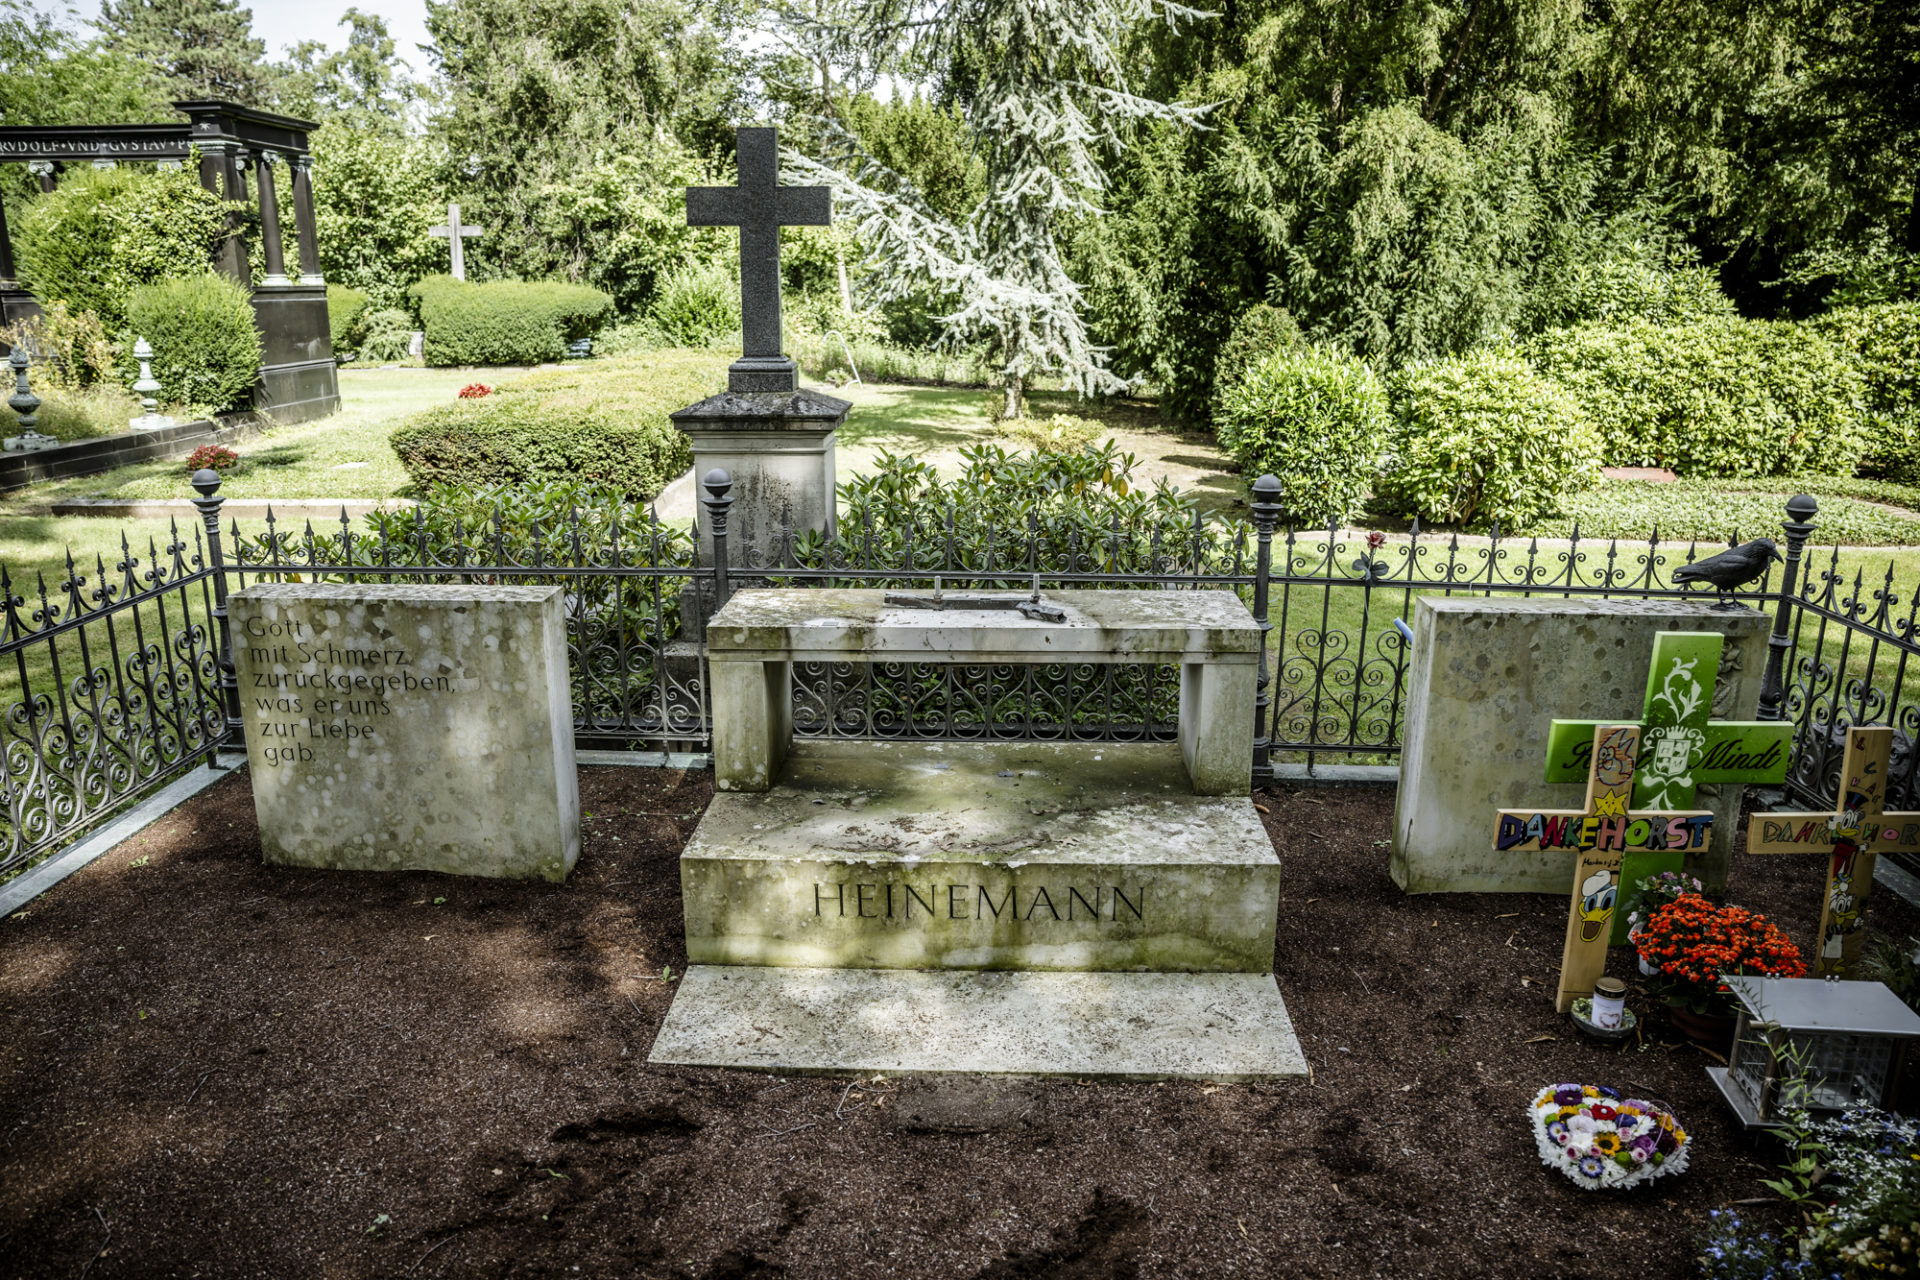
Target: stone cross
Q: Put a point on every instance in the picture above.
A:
(759, 206)
(1681, 748)
(1851, 837)
(1602, 833)
(453, 233)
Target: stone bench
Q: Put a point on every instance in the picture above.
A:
(754, 640)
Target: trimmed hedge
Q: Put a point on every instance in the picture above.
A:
(206, 346)
(1716, 397)
(603, 423)
(346, 307)
(1885, 341)
(505, 321)
(1316, 420)
(1484, 437)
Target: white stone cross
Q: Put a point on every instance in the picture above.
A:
(453, 233)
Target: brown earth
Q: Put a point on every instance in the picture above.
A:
(217, 1069)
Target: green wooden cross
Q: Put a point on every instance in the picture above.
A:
(1681, 748)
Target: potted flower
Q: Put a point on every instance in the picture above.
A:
(1693, 944)
(1654, 893)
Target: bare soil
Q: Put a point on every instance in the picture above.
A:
(212, 1068)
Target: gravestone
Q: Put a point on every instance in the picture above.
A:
(409, 728)
(1485, 680)
(456, 234)
(1078, 908)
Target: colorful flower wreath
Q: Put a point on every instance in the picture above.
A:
(1602, 1141)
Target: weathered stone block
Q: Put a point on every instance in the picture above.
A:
(396, 728)
(1485, 680)
(1075, 856)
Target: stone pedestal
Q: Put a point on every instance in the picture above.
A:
(1485, 680)
(409, 728)
(298, 378)
(778, 448)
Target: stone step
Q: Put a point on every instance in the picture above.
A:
(1116, 1026)
(932, 855)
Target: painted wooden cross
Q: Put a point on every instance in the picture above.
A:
(1852, 836)
(1681, 747)
(759, 206)
(1603, 832)
(454, 233)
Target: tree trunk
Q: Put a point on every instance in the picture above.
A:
(1015, 390)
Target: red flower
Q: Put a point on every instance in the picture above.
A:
(474, 390)
(1691, 940)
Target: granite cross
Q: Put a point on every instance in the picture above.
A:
(453, 233)
(1681, 747)
(1601, 832)
(1851, 836)
(759, 206)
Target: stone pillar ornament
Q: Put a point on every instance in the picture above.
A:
(271, 245)
(306, 230)
(102, 164)
(27, 405)
(146, 387)
(45, 170)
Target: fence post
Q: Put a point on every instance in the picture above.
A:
(1266, 518)
(718, 485)
(1801, 510)
(206, 482)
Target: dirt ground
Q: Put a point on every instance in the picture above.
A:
(217, 1069)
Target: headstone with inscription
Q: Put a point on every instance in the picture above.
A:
(409, 728)
(1076, 908)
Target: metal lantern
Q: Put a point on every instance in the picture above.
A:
(1850, 1038)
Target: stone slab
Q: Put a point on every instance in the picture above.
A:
(1485, 680)
(1115, 1026)
(416, 728)
(925, 855)
(817, 624)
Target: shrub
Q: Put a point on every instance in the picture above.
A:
(1717, 397)
(603, 424)
(698, 306)
(1614, 290)
(1315, 420)
(506, 321)
(70, 349)
(1260, 331)
(1482, 437)
(1061, 433)
(102, 233)
(1885, 342)
(86, 413)
(386, 335)
(212, 457)
(206, 346)
(346, 309)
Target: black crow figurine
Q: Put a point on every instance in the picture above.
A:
(1730, 569)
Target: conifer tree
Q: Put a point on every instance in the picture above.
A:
(205, 47)
(1044, 91)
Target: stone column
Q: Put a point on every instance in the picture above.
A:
(46, 171)
(306, 230)
(220, 173)
(778, 447)
(271, 244)
(6, 251)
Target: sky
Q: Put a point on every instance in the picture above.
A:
(287, 22)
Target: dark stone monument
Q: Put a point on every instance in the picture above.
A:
(773, 437)
(297, 375)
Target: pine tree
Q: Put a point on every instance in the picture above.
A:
(1043, 88)
(206, 48)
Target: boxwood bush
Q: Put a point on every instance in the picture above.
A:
(102, 233)
(1715, 397)
(1484, 437)
(206, 346)
(506, 321)
(1316, 419)
(1885, 343)
(346, 308)
(1260, 331)
(603, 423)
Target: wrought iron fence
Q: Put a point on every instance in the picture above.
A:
(123, 675)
